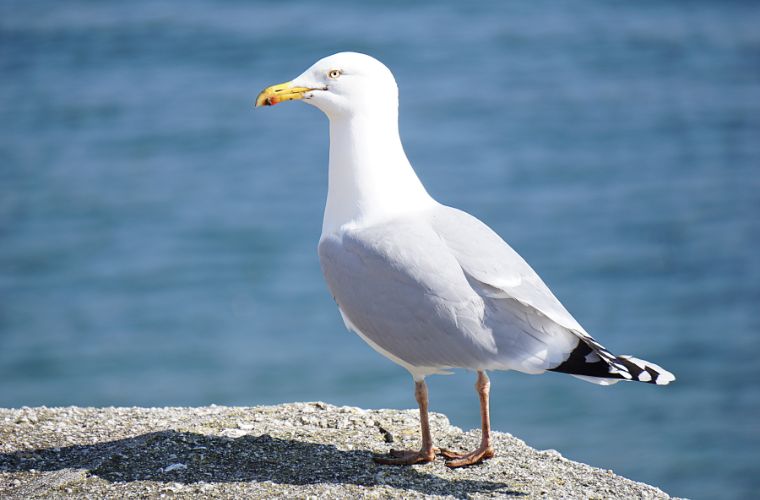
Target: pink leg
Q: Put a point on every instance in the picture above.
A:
(426, 452)
(484, 451)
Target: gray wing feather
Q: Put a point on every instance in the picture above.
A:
(490, 261)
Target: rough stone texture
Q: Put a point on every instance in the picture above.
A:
(301, 450)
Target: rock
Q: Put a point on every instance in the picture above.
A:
(173, 467)
(304, 450)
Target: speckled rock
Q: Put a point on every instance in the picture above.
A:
(301, 450)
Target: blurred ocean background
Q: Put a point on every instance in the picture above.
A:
(158, 236)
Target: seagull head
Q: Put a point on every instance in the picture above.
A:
(343, 84)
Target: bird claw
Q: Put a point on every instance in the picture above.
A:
(455, 460)
(405, 457)
(448, 454)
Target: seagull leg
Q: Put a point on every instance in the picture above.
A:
(426, 452)
(484, 451)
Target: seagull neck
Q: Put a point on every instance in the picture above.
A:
(370, 178)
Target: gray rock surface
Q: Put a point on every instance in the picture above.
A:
(301, 450)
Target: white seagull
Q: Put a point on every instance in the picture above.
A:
(426, 285)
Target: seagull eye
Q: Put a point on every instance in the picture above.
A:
(334, 73)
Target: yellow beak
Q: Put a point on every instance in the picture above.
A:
(279, 93)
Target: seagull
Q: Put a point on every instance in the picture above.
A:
(426, 285)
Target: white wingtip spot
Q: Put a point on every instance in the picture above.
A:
(620, 370)
(664, 378)
(592, 357)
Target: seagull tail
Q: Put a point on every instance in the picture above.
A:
(591, 362)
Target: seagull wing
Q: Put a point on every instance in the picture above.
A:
(400, 287)
(488, 260)
(502, 277)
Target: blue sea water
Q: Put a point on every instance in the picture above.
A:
(158, 236)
